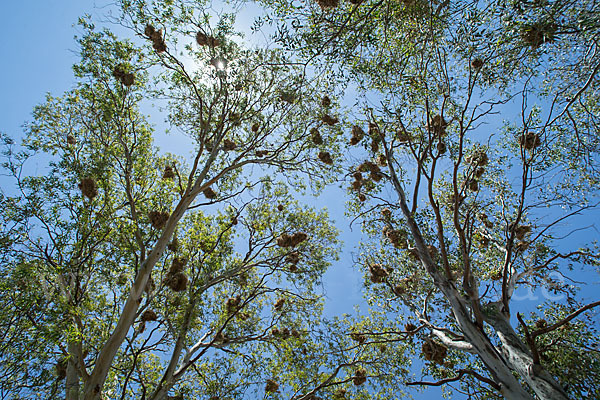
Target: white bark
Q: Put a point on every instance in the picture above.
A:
(520, 359)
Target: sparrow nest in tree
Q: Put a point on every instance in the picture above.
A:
(261, 153)
(149, 315)
(479, 172)
(88, 187)
(126, 78)
(156, 36)
(229, 145)
(271, 386)
(176, 282)
(476, 63)
(374, 145)
(403, 136)
(441, 147)
(434, 351)
(340, 393)
(287, 96)
(538, 33)
(433, 251)
(386, 212)
(205, 40)
(328, 4)
(360, 376)
(522, 246)
(479, 158)
(221, 338)
(496, 275)
(158, 219)
(362, 197)
(473, 185)
(255, 127)
(329, 120)
(358, 181)
(209, 193)
(437, 125)
(396, 237)
(521, 231)
(233, 304)
(484, 219)
(530, 140)
(168, 173)
(357, 135)
(293, 257)
(315, 136)
(286, 240)
(61, 369)
(280, 207)
(381, 160)
(71, 139)
(325, 157)
(174, 245)
(325, 101)
(409, 327)
(369, 166)
(279, 304)
(378, 273)
(177, 265)
(373, 130)
(360, 338)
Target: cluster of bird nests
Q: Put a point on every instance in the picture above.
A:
(209, 193)
(71, 140)
(173, 245)
(233, 304)
(325, 157)
(434, 351)
(530, 140)
(477, 63)
(378, 273)
(206, 40)
(360, 376)
(149, 315)
(126, 78)
(278, 306)
(175, 279)
(271, 386)
(329, 120)
(284, 333)
(538, 33)
(88, 187)
(373, 169)
(401, 287)
(156, 36)
(315, 136)
(479, 158)
(158, 219)
(397, 237)
(229, 145)
(437, 125)
(168, 172)
(287, 240)
(358, 337)
(357, 135)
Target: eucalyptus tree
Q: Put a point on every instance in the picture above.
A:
(476, 126)
(128, 273)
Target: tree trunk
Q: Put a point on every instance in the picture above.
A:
(520, 359)
(72, 379)
(93, 386)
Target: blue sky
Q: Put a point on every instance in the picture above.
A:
(36, 42)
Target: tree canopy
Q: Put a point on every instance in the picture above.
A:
(464, 137)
